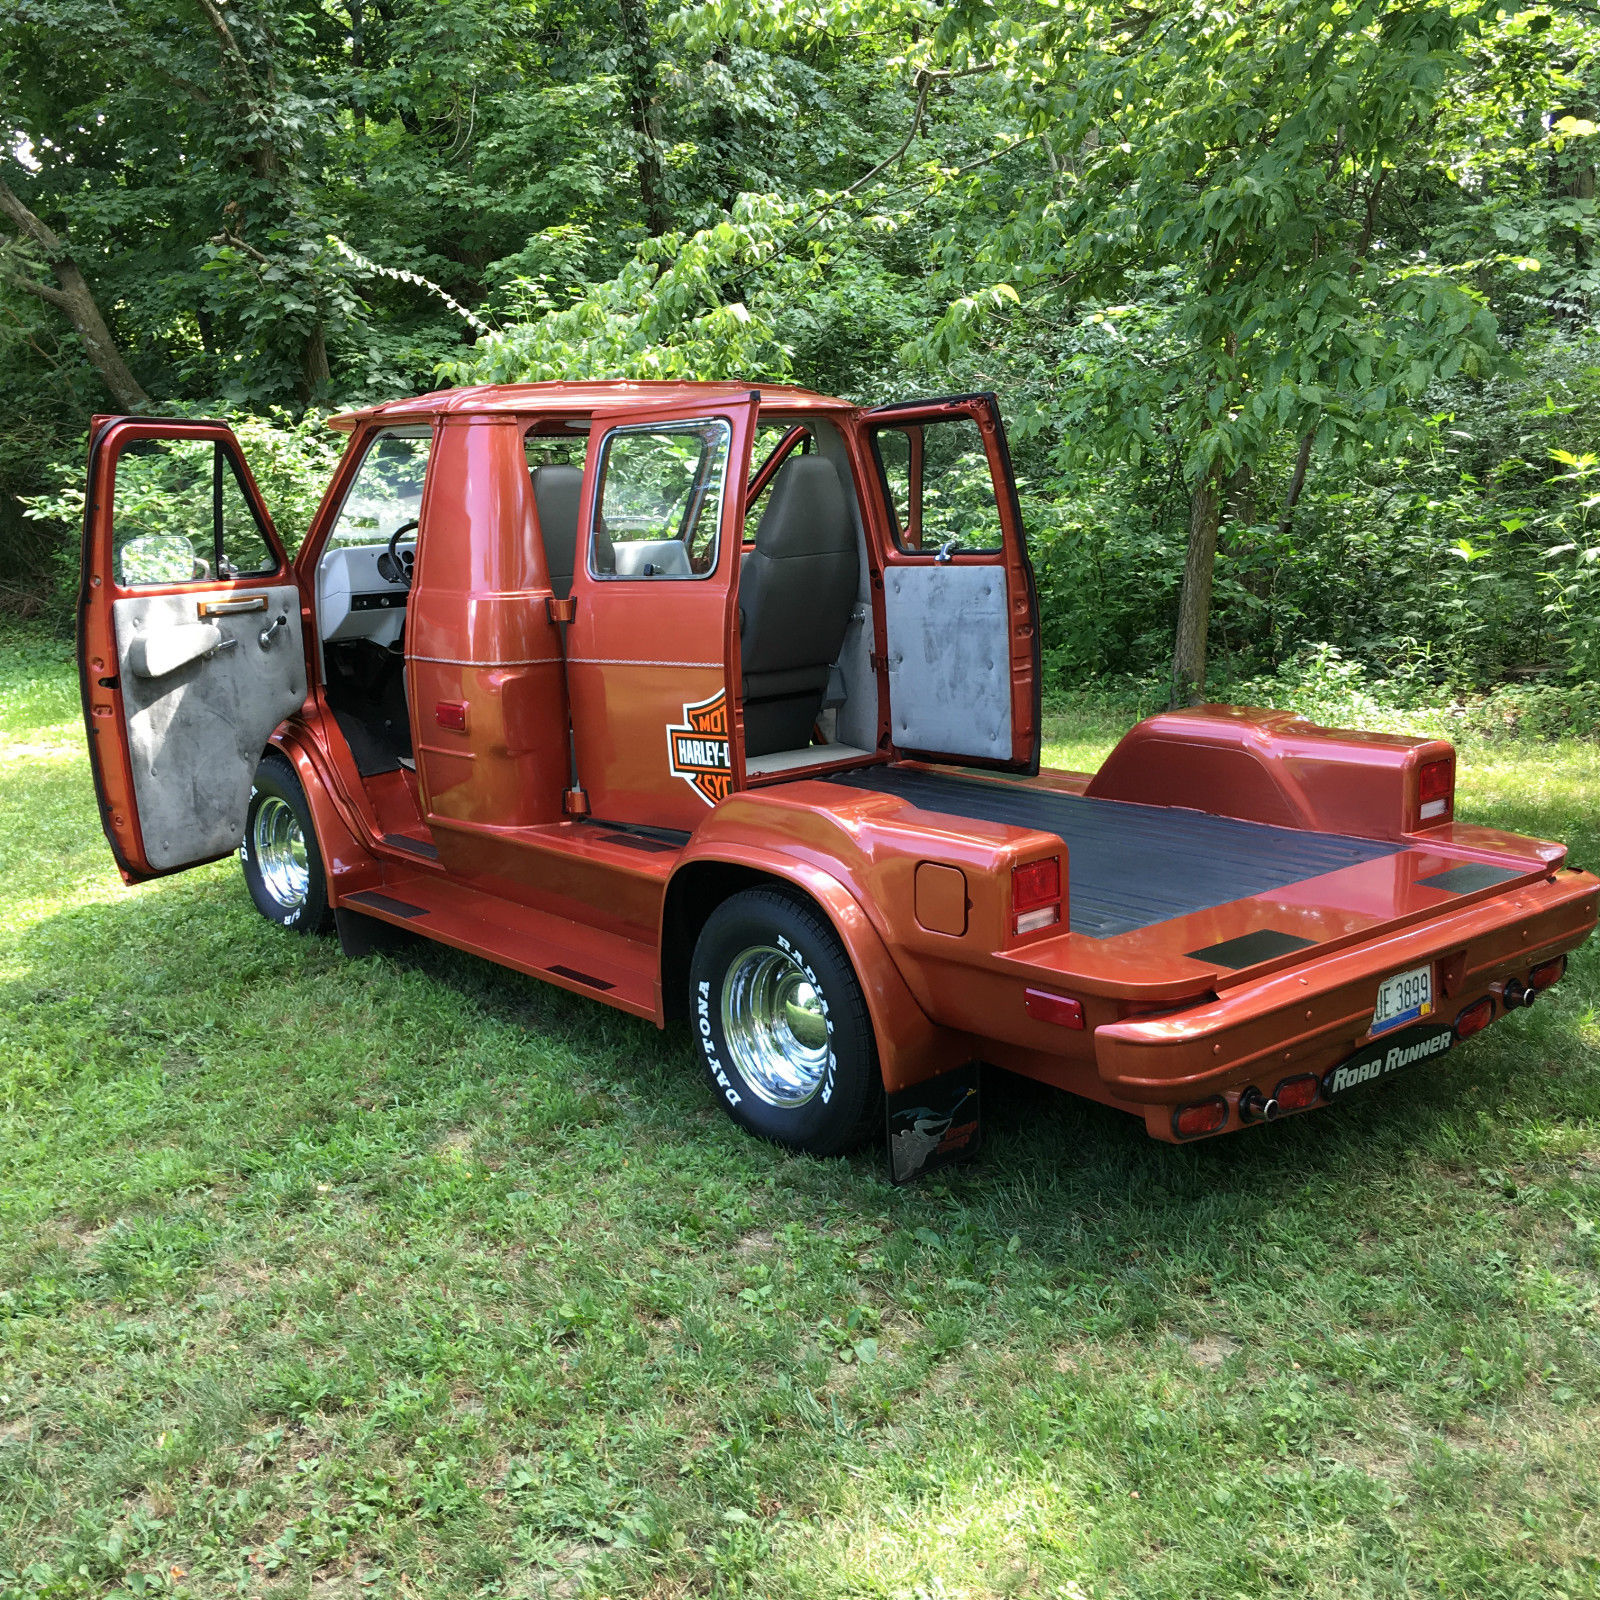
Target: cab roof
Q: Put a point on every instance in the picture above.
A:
(559, 398)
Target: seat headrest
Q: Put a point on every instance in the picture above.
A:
(556, 491)
(807, 514)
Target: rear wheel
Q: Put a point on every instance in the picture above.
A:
(282, 864)
(782, 1026)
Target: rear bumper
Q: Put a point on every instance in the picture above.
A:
(1310, 1017)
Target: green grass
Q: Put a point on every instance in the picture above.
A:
(412, 1277)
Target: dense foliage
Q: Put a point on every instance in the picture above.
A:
(1312, 283)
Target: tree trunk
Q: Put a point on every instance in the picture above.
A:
(71, 295)
(1297, 482)
(643, 113)
(1194, 600)
(358, 62)
(314, 374)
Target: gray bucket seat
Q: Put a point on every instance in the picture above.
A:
(796, 592)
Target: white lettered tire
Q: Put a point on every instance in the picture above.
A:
(282, 864)
(781, 1026)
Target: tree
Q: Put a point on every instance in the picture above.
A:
(1233, 163)
(70, 295)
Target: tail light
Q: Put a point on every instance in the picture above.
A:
(1060, 1009)
(1436, 789)
(1204, 1116)
(1547, 972)
(1036, 895)
(1295, 1094)
(1475, 1018)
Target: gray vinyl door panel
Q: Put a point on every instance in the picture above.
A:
(196, 734)
(949, 668)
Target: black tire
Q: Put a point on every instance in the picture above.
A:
(765, 953)
(278, 802)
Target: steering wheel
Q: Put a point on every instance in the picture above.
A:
(390, 567)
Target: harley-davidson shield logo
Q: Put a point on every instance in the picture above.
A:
(697, 748)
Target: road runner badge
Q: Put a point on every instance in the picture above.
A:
(697, 748)
(934, 1124)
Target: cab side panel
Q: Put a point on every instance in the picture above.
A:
(488, 701)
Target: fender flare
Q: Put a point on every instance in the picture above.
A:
(346, 860)
(911, 1048)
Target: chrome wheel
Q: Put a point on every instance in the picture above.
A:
(279, 846)
(775, 1025)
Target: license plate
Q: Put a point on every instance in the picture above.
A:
(1404, 998)
(1380, 1058)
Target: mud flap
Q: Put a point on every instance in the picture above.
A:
(934, 1124)
(369, 936)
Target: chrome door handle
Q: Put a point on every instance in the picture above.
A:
(271, 628)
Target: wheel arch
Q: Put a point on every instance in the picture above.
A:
(342, 852)
(910, 1047)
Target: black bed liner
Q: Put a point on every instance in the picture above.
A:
(1132, 865)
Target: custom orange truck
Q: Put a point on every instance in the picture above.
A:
(723, 705)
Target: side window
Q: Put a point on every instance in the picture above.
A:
(660, 500)
(940, 487)
(387, 490)
(179, 514)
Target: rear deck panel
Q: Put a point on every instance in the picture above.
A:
(1132, 866)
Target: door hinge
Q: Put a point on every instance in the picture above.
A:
(560, 610)
(878, 663)
(575, 802)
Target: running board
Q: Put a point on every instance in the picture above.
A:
(570, 954)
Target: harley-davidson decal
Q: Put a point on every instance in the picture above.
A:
(697, 748)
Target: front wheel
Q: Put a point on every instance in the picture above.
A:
(282, 864)
(782, 1026)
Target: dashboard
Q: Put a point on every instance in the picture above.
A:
(354, 600)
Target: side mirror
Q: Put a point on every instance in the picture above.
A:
(159, 558)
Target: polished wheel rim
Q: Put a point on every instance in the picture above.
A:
(775, 1026)
(280, 852)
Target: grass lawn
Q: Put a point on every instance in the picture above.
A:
(413, 1277)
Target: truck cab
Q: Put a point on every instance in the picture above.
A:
(723, 703)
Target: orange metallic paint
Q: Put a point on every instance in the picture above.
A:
(478, 634)
(582, 904)
(642, 651)
(1270, 766)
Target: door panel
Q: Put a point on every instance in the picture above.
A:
(949, 677)
(649, 644)
(959, 612)
(191, 649)
(195, 730)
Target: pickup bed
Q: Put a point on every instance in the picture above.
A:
(723, 705)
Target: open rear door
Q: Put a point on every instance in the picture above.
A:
(960, 618)
(190, 645)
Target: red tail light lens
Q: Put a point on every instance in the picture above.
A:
(1547, 972)
(1060, 1009)
(1204, 1116)
(1295, 1094)
(1436, 789)
(1036, 895)
(1475, 1018)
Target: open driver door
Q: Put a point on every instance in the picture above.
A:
(190, 644)
(960, 617)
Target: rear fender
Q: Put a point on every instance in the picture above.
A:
(910, 1047)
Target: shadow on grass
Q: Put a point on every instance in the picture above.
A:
(1066, 1177)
